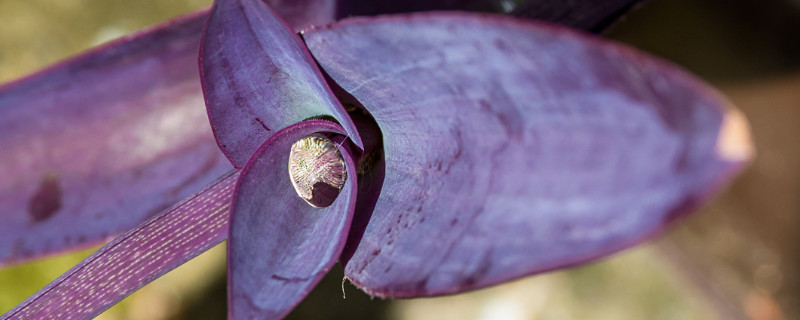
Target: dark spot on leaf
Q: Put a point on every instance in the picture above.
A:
(136, 173)
(364, 266)
(420, 286)
(508, 116)
(500, 44)
(450, 160)
(459, 146)
(480, 272)
(263, 125)
(289, 279)
(453, 222)
(47, 199)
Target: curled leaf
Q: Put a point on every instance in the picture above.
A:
(280, 246)
(258, 77)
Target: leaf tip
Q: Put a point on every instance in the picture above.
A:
(734, 142)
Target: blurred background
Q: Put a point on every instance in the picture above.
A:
(737, 259)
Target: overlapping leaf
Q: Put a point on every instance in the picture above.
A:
(260, 80)
(102, 142)
(514, 148)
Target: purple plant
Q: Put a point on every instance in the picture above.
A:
(478, 149)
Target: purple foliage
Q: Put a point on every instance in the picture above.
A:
(493, 148)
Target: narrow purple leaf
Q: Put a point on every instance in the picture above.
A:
(590, 15)
(100, 143)
(280, 246)
(513, 148)
(258, 77)
(135, 258)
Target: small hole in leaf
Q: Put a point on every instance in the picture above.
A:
(317, 170)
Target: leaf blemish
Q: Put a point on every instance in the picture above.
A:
(47, 199)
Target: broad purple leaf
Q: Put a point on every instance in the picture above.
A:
(513, 148)
(135, 258)
(100, 143)
(258, 78)
(279, 246)
(590, 15)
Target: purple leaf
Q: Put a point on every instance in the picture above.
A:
(258, 77)
(97, 144)
(514, 148)
(100, 143)
(96, 148)
(511, 149)
(280, 246)
(590, 15)
(135, 258)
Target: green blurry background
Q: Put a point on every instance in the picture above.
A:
(738, 259)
